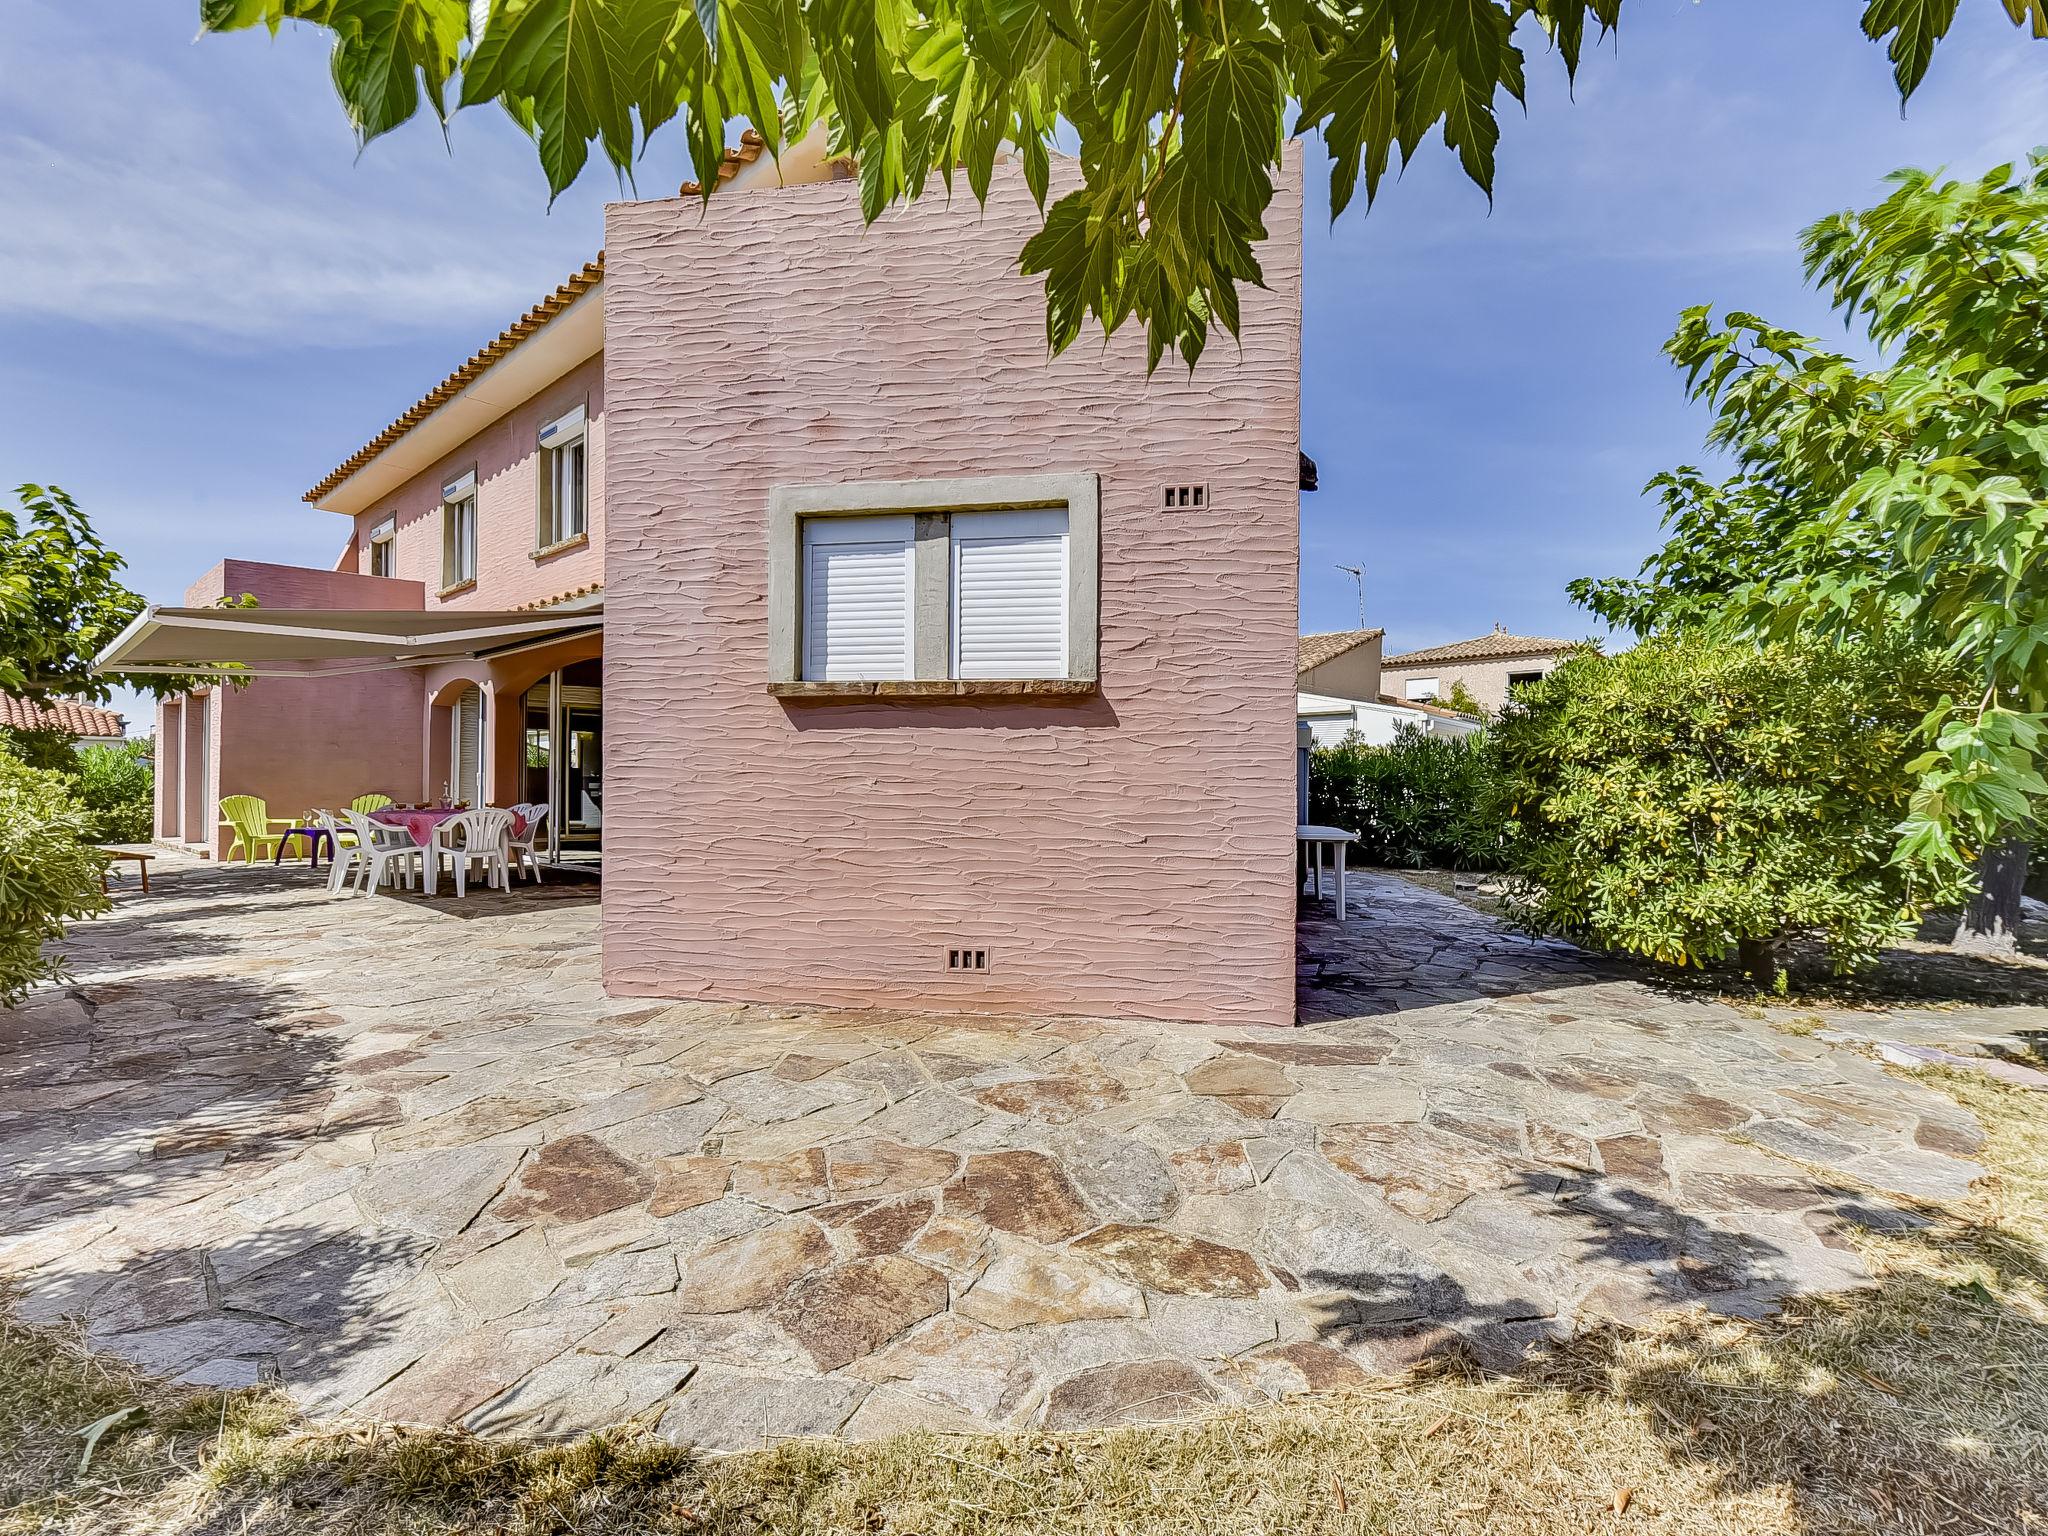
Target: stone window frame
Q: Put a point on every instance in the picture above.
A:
(932, 503)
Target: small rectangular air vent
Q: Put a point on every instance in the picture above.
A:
(967, 960)
(1186, 498)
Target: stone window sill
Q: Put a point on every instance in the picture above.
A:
(467, 584)
(561, 546)
(941, 688)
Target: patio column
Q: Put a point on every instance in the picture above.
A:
(170, 753)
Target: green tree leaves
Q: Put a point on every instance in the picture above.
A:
(1177, 105)
(61, 602)
(1907, 499)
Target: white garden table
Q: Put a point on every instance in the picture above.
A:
(1315, 840)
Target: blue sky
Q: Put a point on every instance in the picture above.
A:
(210, 298)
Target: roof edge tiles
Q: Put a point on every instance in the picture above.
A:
(1484, 648)
(73, 717)
(577, 285)
(1311, 651)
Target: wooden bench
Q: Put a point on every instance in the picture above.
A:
(134, 856)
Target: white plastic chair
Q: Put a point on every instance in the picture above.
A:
(345, 854)
(381, 851)
(520, 849)
(475, 837)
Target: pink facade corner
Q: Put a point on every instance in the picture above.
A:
(1129, 854)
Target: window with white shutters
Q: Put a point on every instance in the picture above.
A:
(1009, 594)
(468, 744)
(564, 478)
(857, 575)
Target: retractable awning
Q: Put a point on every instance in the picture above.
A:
(326, 642)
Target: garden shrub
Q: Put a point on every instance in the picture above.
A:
(1689, 801)
(116, 789)
(49, 874)
(1415, 804)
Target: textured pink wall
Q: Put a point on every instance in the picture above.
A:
(506, 459)
(1130, 853)
(299, 744)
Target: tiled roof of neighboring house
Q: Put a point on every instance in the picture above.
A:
(1428, 707)
(751, 145)
(561, 597)
(568, 293)
(66, 715)
(1499, 643)
(1314, 650)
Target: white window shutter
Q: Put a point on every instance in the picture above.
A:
(469, 756)
(857, 598)
(1010, 594)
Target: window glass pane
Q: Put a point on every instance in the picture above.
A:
(857, 598)
(572, 524)
(1009, 594)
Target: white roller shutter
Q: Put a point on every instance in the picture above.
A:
(469, 757)
(1010, 594)
(857, 598)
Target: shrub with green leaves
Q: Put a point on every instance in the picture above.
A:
(116, 788)
(1414, 804)
(49, 874)
(1689, 801)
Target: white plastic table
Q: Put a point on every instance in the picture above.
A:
(1316, 839)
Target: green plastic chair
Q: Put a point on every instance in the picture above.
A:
(249, 818)
(368, 803)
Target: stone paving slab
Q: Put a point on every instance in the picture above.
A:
(410, 1162)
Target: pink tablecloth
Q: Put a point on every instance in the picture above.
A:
(420, 824)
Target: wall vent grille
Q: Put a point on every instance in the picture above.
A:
(965, 960)
(1185, 498)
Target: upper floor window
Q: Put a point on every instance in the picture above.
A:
(1522, 679)
(458, 531)
(564, 478)
(384, 548)
(977, 581)
(1420, 690)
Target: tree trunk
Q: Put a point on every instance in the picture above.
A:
(1991, 922)
(1759, 959)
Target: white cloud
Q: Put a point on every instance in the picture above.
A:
(210, 189)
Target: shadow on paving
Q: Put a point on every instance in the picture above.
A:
(122, 1104)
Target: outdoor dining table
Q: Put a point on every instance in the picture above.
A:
(1313, 840)
(421, 826)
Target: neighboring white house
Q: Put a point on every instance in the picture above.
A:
(1379, 721)
(1337, 691)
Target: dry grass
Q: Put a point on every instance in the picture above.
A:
(1920, 1405)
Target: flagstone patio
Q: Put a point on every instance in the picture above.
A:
(408, 1161)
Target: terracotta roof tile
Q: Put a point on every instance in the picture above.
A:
(751, 145)
(1314, 650)
(547, 309)
(66, 715)
(1499, 643)
(561, 597)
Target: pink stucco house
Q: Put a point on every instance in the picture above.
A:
(886, 660)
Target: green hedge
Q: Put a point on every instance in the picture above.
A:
(1414, 804)
(1689, 801)
(49, 874)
